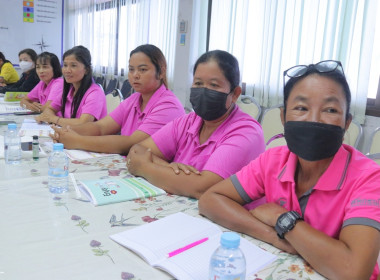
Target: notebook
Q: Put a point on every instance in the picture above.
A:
(11, 96)
(114, 190)
(154, 241)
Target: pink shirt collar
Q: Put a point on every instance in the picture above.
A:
(152, 101)
(333, 176)
(196, 126)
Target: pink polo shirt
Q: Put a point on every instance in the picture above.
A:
(346, 194)
(237, 141)
(42, 93)
(93, 103)
(162, 108)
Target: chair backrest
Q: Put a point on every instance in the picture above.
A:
(249, 105)
(271, 122)
(373, 151)
(353, 134)
(126, 89)
(280, 141)
(100, 80)
(113, 100)
(112, 84)
(101, 87)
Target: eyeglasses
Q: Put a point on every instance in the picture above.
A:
(324, 66)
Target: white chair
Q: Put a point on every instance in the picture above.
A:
(113, 99)
(249, 105)
(272, 125)
(353, 134)
(373, 151)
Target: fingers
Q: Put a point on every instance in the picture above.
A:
(175, 167)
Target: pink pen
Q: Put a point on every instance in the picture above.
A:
(187, 247)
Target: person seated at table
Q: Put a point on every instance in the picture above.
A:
(207, 145)
(8, 74)
(29, 78)
(137, 117)
(51, 84)
(322, 196)
(82, 99)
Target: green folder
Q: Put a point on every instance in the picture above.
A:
(12, 96)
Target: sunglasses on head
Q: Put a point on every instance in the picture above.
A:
(324, 66)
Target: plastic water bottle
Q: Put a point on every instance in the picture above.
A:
(58, 170)
(12, 145)
(228, 261)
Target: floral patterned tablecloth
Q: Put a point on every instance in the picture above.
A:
(47, 236)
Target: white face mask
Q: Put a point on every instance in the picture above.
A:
(26, 66)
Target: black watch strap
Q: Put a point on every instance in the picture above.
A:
(286, 223)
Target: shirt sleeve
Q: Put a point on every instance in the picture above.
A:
(56, 90)
(249, 181)
(56, 101)
(238, 148)
(364, 204)
(95, 103)
(123, 109)
(165, 139)
(34, 93)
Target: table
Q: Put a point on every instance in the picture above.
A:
(47, 236)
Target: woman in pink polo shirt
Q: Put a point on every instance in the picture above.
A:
(323, 197)
(49, 71)
(82, 100)
(207, 145)
(137, 117)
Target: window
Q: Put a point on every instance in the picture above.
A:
(111, 29)
(268, 37)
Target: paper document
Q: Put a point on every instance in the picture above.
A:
(81, 155)
(9, 109)
(154, 241)
(30, 127)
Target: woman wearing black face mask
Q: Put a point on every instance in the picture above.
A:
(205, 146)
(322, 195)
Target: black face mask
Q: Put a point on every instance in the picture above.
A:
(207, 103)
(313, 141)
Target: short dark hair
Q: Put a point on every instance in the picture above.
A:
(2, 57)
(31, 53)
(336, 76)
(156, 57)
(226, 62)
(83, 55)
(52, 59)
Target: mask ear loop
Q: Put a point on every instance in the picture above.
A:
(232, 103)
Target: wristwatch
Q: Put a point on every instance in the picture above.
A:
(286, 223)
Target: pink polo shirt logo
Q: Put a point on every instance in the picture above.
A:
(367, 202)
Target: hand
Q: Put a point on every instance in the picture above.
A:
(68, 137)
(136, 160)
(268, 213)
(46, 118)
(187, 169)
(34, 106)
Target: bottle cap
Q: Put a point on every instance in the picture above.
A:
(12, 126)
(230, 240)
(58, 147)
(35, 137)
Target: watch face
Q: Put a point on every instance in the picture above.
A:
(285, 221)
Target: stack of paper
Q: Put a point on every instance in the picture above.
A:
(30, 127)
